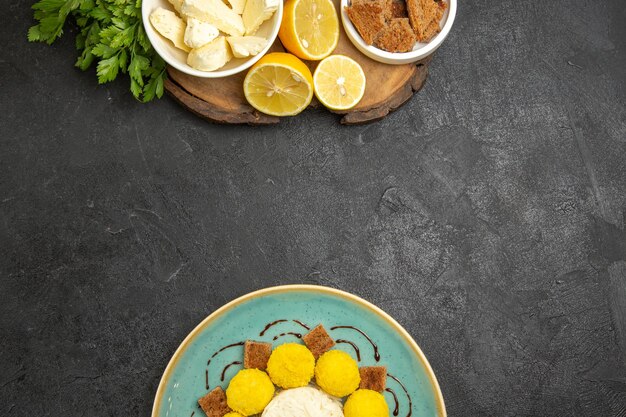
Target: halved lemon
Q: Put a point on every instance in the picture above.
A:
(339, 82)
(279, 85)
(310, 28)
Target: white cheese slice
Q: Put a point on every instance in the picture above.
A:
(212, 56)
(216, 13)
(168, 24)
(256, 12)
(237, 5)
(177, 5)
(199, 33)
(245, 46)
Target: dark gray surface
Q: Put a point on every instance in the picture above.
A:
(486, 215)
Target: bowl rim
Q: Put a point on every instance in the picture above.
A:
(399, 57)
(153, 36)
(441, 408)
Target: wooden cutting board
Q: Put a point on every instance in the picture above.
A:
(222, 100)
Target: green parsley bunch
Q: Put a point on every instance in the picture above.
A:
(111, 33)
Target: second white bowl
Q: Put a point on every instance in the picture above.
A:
(420, 50)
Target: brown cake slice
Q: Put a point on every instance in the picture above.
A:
(398, 9)
(388, 10)
(214, 403)
(373, 377)
(318, 341)
(429, 7)
(422, 15)
(256, 354)
(397, 36)
(416, 16)
(431, 30)
(368, 17)
(440, 10)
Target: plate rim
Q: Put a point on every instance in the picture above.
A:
(441, 408)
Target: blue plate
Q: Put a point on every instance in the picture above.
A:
(283, 312)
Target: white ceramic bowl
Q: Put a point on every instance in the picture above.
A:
(420, 50)
(178, 58)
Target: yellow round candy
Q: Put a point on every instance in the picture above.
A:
(337, 373)
(366, 403)
(232, 414)
(249, 392)
(291, 365)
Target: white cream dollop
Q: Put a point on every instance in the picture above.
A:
(303, 402)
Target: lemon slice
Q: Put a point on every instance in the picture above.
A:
(310, 28)
(279, 85)
(339, 82)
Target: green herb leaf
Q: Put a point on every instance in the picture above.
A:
(85, 60)
(107, 69)
(135, 88)
(103, 51)
(100, 13)
(34, 34)
(49, 5)
(111, 33)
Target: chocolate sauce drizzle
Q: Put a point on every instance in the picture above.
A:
(395, 400)
(356, 348)
(223, 349)
(406, 392)
(226, 369)
(374, 345)
(298, 335)
(217, 352)
(268, 325)
(275, 322)
(301, 324)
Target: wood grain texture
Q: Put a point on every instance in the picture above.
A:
(220, 108)
(222, 100)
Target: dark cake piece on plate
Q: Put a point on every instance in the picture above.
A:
(318, 341)
(373, 377)
(256, 354)
(214, 403)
